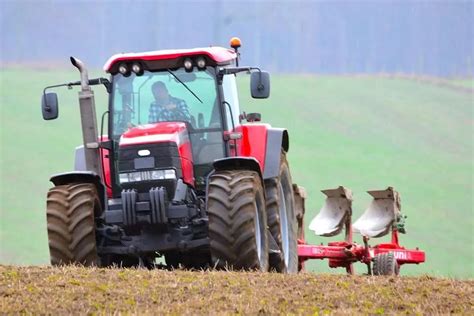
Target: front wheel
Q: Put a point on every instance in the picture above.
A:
(70, 216)
(237, 220)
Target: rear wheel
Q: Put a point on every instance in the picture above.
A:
(385, 264)
(282, 220)
(70, 211)
(237, 221)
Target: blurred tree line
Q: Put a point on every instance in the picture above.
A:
(427, 37)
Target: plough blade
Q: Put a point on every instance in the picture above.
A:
(379, 217)
(382, 216)
(336, 211)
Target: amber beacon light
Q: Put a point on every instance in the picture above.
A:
(235, 43)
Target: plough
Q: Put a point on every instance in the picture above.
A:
(383, 216)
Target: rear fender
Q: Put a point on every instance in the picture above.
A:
(277, 140)
(234, 163)
(238, 163)
(265, 144)
(81, 177)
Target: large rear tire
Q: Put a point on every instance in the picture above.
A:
(237, 221)
(70, 211)
(282, 220)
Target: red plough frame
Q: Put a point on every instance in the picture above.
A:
(342, 254)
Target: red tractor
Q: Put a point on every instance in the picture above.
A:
(180, 173)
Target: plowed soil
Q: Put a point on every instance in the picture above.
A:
(77, 290)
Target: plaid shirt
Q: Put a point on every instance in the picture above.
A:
(158, 113)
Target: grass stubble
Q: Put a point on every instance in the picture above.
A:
(78, 290)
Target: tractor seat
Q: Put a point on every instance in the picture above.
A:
(379, 217)
(332, 216)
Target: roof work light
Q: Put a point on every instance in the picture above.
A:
(201, 62)
(188, 64)
(123, 69)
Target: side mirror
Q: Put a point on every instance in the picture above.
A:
(260, 84)
(49, 106)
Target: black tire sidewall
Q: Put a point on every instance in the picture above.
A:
(227, 224)
(274, 187)
(287, 186)
(262, 217)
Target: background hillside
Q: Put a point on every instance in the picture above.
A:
(361, 132)
(304, 36)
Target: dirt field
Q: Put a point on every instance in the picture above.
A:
(78, 290)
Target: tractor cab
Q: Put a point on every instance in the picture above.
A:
(153, 94)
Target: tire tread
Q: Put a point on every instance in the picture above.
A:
(231, 219)
(70, 211)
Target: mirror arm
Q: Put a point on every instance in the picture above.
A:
(234, 70)
(69, 85)
(103, 81)
(92, 82)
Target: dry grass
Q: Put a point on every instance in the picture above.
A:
(79, 290)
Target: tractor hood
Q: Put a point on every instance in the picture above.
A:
(166, 143)
(156, 133)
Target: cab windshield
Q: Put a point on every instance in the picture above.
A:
(172, 96)
(167, 95)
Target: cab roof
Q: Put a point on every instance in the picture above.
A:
(220, 55)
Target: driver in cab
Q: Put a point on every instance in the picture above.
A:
(166, 107)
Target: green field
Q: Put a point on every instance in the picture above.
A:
(468, 83)
(363, 133)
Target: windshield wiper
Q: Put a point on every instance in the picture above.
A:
(184, 85)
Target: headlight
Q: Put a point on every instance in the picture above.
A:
(147, 175)
(170, 174)
(158, 174)
(123, 177)
(188, 64)
(201, 62)
(137, 68)
(123, 69)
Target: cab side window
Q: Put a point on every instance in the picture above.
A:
(232, 98)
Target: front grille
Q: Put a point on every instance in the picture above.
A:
(165, 156)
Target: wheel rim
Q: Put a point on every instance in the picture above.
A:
(285, 242)
(258, 233)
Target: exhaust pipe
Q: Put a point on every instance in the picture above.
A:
(88, 121)
(84, 74)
